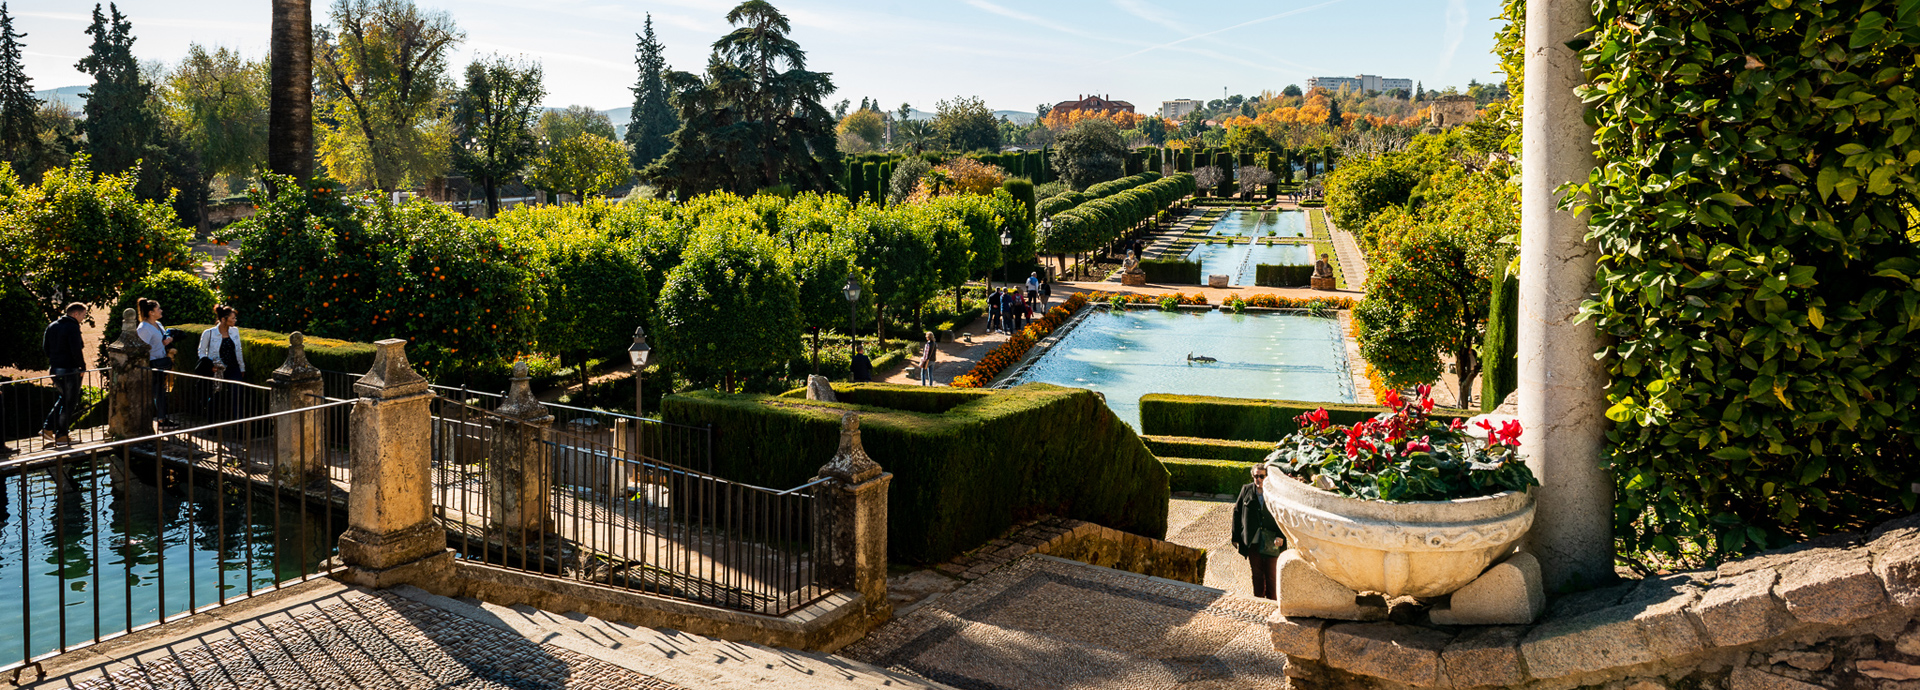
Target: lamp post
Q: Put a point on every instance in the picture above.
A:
(1046, 224)
(852, 291)
(1006, 240)
(637, 355)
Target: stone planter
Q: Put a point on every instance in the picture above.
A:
(1424, 549)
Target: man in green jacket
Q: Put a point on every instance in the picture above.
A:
(1256, 535)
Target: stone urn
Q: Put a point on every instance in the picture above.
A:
(1340, 548)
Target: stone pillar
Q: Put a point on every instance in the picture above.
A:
(1562, 388)
(130, 396)
(519, 470)
(297, 438)
(392, 537)
(851, 509)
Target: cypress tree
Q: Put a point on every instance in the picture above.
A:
(1333, 113)
(119, 118)
(19, 110)
(653, 118)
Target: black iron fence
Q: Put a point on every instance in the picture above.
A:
(75, 403)
(624, 519)
(194, 400)
(101, 541)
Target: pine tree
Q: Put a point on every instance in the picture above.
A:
(653, 119)
(1419, 92)
(120, 121)
(1333, 113)
(19, 110)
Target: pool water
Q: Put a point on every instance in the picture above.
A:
(1259, 223)
(1239, 261)
(1125, 354)
(110, 535)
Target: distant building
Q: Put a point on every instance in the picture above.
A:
(1452, 111)
(1178, 108)
(1093, 104)
(1362, 83)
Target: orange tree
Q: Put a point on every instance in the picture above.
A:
(362, 268)
(730, 307)
(78, 236)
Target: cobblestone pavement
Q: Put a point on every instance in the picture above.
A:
(1042, 623)
(371, 640)
(1206, 522)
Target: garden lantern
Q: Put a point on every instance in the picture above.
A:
(637, 354)
(852, 291)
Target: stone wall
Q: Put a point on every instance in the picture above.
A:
(1837, 612)
(1076, 540)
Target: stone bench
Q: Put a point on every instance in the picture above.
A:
(1836, 612)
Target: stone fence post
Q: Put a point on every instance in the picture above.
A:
(850, 509)
(392, 537)
(519, 469)
(130, 391)
(297, 438)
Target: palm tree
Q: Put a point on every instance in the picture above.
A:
(290, 105)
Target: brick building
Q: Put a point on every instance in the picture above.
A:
(1098, 104)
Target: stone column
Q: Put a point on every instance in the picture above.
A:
(297, 438)
(851, 510)
(519, 470)
(1562, 388)
(130, 397)
(392, 537)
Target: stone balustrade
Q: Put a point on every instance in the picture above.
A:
(1834, 612)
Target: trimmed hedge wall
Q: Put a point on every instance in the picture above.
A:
(1207, 448)
(1171, 271)
(1243, 419)
(1282, 275)
(266, 350)
(962, 475)
(1203, 476)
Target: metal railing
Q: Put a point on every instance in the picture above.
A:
(656, 440)
(194, 400)
(28, 404)
(626, 520)
(102, 541)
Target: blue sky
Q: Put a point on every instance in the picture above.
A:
(1014, 54)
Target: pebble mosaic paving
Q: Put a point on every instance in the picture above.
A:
(1041, 623)
(373, 640)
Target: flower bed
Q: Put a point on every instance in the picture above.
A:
(1017, 345)
(1195, 299)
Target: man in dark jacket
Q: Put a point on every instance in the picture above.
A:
(1256, 535)
(64, 359)
(862, 366)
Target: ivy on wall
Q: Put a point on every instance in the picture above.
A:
(1752, 207)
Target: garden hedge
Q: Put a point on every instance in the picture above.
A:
(1245, 419)
(1207, 448)
(265, 351)
(24, 407)
(1172, 271)
(1286, 275)
(962, 475)
(1203, 476)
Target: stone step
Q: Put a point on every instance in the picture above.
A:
(678, 657)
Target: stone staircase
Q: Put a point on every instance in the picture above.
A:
(683, 659)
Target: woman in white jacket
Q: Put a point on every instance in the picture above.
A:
(221, 346)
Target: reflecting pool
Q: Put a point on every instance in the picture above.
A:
(1239, 261)
(1259, 223)
(1129, 353)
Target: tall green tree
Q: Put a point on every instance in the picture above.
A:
(586, 164)
(119, 119)
(1090, 151)
(19, 109)
(218, 102)
(383, 81)
(493, 122)
(290, 105)
(558, 126)
(653, 119)
(967, 124)
(730, 307)
(755, 119)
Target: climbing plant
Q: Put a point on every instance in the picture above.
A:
(1757, 279)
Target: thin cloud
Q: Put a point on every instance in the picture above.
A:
(1039, 21)
(1150, 13)
(1455, 33)
(1241, 25)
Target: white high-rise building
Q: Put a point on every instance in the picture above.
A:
(1178, 108)
(1363, 83)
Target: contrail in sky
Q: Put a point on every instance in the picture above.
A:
(1244, 24)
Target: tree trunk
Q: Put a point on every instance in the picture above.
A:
(879, 323)
(959, 304)
(1466, 365)
(919, 327)
(493, 197)
(290, 108)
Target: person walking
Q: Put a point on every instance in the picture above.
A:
(1046, 292)
(993, 310)
(928, 354)
(862, 367)
(1033, 287)
(1019, 310)
(220, 346)
(65, 362)
(1256, 535)
(157, 339)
